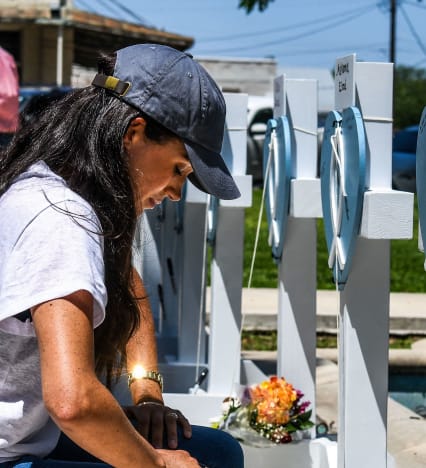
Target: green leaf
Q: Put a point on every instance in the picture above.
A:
(305, 416)
(291, 427)
(249, 5)
(305, 425)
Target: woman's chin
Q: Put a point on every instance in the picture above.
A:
(149, 204)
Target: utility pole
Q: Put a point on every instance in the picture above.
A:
(392, 31)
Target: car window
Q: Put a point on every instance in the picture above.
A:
(405, 141)
(262, 116)
(33, 103)
(322, 117)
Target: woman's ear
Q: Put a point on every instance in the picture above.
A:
(134, 133)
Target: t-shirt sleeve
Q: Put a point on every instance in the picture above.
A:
(56, 254)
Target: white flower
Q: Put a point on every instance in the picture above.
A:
(228, 403)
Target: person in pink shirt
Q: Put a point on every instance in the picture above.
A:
(9, 97)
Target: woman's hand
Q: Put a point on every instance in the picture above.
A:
(153, 420)
(178, 459)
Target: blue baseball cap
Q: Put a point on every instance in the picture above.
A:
(177, 92)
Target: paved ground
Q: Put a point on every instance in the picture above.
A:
(407, 311)
(406, 430)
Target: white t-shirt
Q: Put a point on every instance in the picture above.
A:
(45, 253)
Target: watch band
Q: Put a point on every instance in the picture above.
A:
(151, 375)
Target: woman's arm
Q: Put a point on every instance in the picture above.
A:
(152, 419)
(77, 401)
(142, 347)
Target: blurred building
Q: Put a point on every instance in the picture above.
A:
(325, 84)
(253, 76)
(54, 43)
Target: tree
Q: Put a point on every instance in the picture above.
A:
(249, 5)
(410, 95)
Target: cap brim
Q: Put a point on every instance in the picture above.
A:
(210, 173)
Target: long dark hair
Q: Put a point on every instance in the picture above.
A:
(80, 137)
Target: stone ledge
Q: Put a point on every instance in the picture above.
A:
(406, 430)
(400, 360)
(407, 311)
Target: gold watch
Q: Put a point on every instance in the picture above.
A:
(151, 375)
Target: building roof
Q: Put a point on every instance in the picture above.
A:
(90, 28)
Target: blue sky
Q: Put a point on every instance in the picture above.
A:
(296, 33)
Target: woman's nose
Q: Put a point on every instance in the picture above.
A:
(174, 191)
(174, 196)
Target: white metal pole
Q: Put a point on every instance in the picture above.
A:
(60, 55)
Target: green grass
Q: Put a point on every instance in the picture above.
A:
(267, 341)
(265, 273)
(407, 272)
(259, 340)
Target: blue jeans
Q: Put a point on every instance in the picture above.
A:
(211, 447)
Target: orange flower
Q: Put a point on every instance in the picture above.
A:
(273, 409)
(273, 400)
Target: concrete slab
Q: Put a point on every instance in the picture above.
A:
(406, 429)
(260, 305)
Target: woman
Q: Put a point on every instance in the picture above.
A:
(71, 306)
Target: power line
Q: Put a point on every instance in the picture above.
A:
(327, 50)
(269, 31)
(417, 3)
(107, 7)
(413, 30)
(131, 13)
(85, 5)
(293, 38)
(90, 7)
(119, 7)
(305, 34)
(392, 33)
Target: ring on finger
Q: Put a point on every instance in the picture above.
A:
(173, 415)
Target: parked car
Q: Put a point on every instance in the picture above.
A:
(32, 100)
(260, 110)
(33, 93)
(404, 159)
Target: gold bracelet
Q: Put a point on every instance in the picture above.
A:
(151, 375)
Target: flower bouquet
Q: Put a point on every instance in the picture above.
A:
(267, 414)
